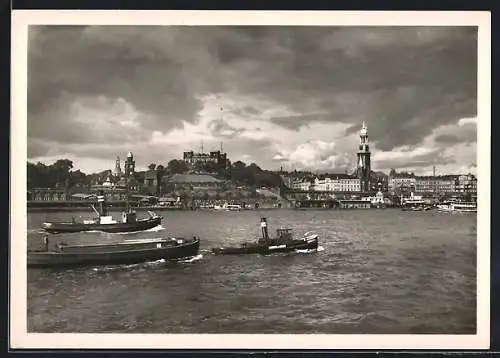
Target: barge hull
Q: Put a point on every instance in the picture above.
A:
(46, 259)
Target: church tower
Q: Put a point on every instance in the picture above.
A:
(364, 165)
(129, 165)
(118, 170)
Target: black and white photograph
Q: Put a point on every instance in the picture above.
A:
(278, 177)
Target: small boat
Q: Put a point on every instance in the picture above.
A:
(106, 223)
(228, 207)
(126, 252)
(283, 242)
(416, 208)
(463, 207)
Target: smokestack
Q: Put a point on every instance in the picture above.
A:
(102, 205)
(263, 225)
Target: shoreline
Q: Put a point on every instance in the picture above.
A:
(41, 209)
(52, 209)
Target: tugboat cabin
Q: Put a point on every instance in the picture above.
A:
(284, 233)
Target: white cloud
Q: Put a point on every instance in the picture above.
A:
(463, 121)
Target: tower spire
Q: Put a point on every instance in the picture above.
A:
(364, 167)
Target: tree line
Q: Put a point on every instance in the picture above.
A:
(61, 174)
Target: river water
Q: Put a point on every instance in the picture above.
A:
(377, 272)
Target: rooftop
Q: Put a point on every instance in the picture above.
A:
(193, 178)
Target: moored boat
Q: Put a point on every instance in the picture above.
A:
(228, 207)
(283, 242)
(463, 207)
(126, 252)
(106, 223)
(418, 207)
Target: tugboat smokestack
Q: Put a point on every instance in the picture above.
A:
(263, 225)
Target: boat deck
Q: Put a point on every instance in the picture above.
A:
(132, 245)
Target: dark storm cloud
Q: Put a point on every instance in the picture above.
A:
(434, 157)
(465, 133)
(296, 122)
(403, 82)
(220, 127)
(447, 139)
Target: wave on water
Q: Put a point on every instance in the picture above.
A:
(154, 229)
(309, 251)
(130, 266)
(192, 259)
(36, 231)
(144, 264)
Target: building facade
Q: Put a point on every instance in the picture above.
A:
(216, 161)
(436, 184)
(467, 184)
(364, 164)
(193, 182)
(442, 184)
(402, 181)
(301, 185)
(338, 183)
(47, 194)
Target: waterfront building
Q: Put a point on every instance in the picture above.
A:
(354, 204)
(433, 184)
(402, 181)
(302, 185)
(376, 200)
(112, 193)
(436, 184)
(467, 184)
(337, 183)
(364, 164)
(46, 194)
(193, 182)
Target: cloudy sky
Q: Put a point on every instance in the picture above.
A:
(291, 96)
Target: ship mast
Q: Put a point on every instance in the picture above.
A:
(263, 225)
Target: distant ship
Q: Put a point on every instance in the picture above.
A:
(106, 223)
(283, 242)
(228, 207)
(465, 207)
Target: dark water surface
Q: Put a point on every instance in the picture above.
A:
(380, 271)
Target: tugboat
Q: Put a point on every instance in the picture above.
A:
(105, 222)
(283, 242)
(127, 252)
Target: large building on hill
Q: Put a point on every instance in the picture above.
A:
(214, 162)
